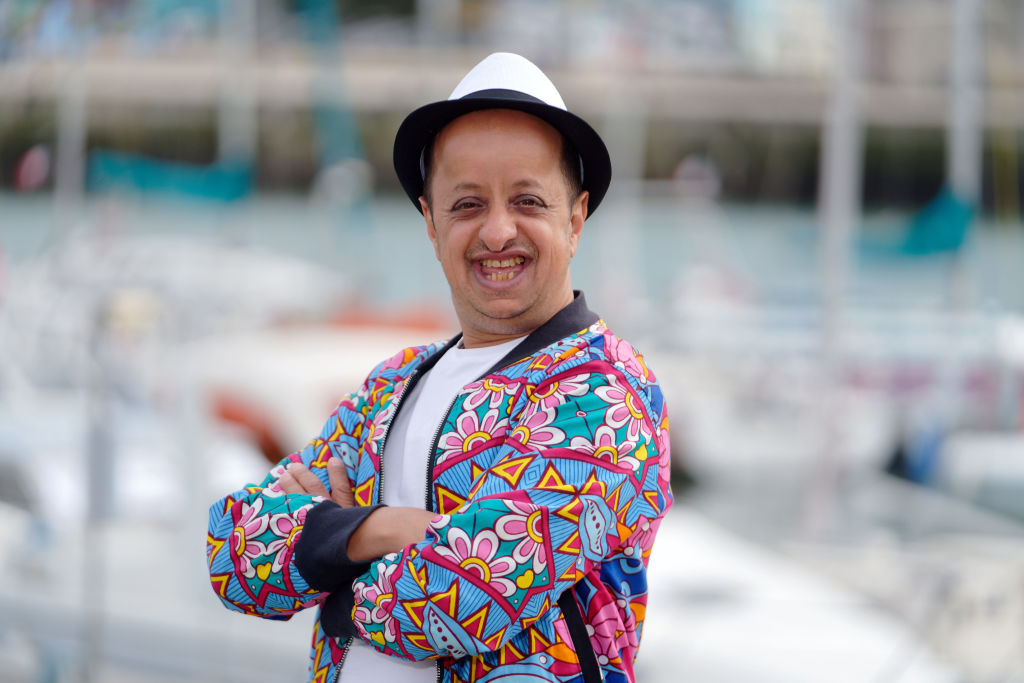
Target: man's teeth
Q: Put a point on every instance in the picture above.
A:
(503, 263)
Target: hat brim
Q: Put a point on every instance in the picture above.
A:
(420, 127)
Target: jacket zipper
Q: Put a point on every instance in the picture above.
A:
(429, 497)
(430, 465)
(433, 449)
(344, 654)
(413, 378)
(430, 476)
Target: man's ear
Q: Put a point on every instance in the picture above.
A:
(431, 232)
(576, 219)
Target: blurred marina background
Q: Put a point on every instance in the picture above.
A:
(814, 233)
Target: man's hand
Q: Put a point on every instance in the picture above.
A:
(388, 530)
(298, 479)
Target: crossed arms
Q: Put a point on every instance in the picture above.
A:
(589, 453)
(385, 530)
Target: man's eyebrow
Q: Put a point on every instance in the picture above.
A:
(528, 183)
(525, 183)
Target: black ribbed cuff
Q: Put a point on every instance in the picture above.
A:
(336, 613)
(321, 552)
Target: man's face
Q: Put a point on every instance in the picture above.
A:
(502, 224)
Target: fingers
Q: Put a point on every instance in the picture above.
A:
(288, 483)
(298, 479)
(341, 491)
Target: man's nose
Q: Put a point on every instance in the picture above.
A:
(498, 229)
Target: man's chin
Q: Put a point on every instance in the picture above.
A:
(504, 317)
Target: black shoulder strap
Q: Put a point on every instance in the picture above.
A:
(580, 639)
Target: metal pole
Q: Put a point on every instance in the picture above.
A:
(964, 172)
(839, 213)
(69, 175)
(237, 122)
(964, 134)
(625, 130)
(100, 472)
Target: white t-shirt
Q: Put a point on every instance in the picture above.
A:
(404, 468)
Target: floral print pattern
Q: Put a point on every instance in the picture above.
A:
(556, 392)
(471, 432)
(480, 556)
(606, 446)
(525, 525)
(245, 537)
(567, 434)
(375, 601)
(537, 427)
(624, 409)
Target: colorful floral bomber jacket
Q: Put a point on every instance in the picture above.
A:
(550, 476)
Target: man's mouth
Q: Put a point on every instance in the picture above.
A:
(497, 270)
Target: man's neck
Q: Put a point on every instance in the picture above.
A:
(475, 340)
(520, 326)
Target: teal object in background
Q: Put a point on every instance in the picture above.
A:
(940, 226)
(118, 171)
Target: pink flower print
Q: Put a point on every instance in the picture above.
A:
(398, 360)
(602, 629)
(378, 427)
(479, 555)
(606, 447)
(244, 537)
(284, 526)
(277, 470)
(555, 393)
(492, 391)
(622, 354)
(380, 594)
(527, 525)
(642, 539)
(470, 432)
(273, 489)
(537, 428)
(661, 439)
(625, 409)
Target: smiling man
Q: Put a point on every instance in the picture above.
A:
(483, 508)
(505, 220)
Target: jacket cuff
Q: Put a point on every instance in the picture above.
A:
(336, 614)
(320, 553)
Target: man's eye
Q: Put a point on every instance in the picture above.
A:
(465, 205)
(530, 202)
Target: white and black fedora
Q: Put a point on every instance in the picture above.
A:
(501, 81)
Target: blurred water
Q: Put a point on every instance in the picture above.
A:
(768, 254)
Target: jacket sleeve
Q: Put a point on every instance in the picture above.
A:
(580, 475)
(253, 532)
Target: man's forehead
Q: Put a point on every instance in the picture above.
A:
(484, 121)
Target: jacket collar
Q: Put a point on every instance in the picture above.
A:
(568, 321)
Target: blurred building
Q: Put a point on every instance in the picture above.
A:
(756, 73)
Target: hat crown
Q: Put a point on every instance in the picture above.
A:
(507, 71)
